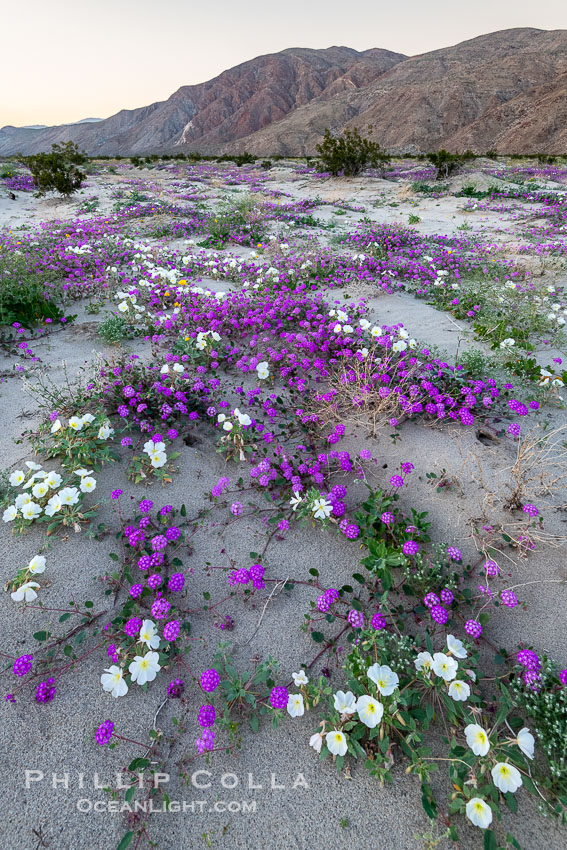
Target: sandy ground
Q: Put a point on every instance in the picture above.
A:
(58, 739)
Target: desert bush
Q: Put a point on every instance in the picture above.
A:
(266, 164)
(446, 163)
(350, 153)
(25, 297)
(56, 171)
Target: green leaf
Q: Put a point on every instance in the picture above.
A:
(41, 635)
(128, 796)
(126, 841)
(64, 617)
(318, 637)
(254, 722)
(490, 842)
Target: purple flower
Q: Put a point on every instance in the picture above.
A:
(397, 481)
(446, 596)
(236, 509)
(136, 590)
(146, 505)
(159, 542)
(387, 518)
(355, 618)
(207, 716)
(563, 677)
(145, 562)
(171, 630)
(410, 547)
(491, 568)
(175, 688)
(454, 553)
(439, 614)
(378, 621)
(160, 608)
(509, 598)
(210, 680)
(104, 733)
(173, 534)
(23, 665)
(530, 510)
(154, 581)
(176, 582)
(45, 691)
(279, 697)
(133, 626)
(116, 495)
(431, 599)
(528, 658)
(473, 628)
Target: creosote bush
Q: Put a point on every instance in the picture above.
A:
(56, 171)
(350, 153)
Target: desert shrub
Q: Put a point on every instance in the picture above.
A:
(56, 171)
(114, 329)
(413, 219)
(350, 153)
(266, 164)
(136, 161)
(241, 222)
(25, 297)
(446, 163)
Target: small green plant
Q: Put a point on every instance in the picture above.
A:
(413, 219)
(114, 329)
(56, 171)
(446, 163)
(350, 153)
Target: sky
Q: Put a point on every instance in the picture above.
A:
(65, 60)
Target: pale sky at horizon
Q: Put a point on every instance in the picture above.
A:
(65, 60)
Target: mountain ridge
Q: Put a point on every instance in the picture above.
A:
(505, 90)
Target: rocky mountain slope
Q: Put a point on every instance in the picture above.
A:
(235, 104)
(506, 90)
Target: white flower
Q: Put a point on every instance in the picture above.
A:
(364, 324)
(56, 426)
(336, 743)
(506, 777)
(300, 678)
(16, 478)
(25, 591)
(32, 465)
(316, 741)
(31, 510)
(345, 703)
(370, 711)
(227, 426)
(243, 418)
(148, 634)
(144, 668)
(456, 647)
(477, 739)
(151, 447)
(526, 742)
(262, 370)
(295, 500)
(123, 307)
(53, 506)
(479, 813)
(444, 666)
(10, 514)
(105, 431)
(158, 459)
(400, 345)
(75, 423)
(221, 417)
(178, 367)
(424, 661)
(459, 691)
(82, 472)
(321, 508)
(88, 484)
(508, 343)
(37, 565)
(22, 500)
(295, 707)
(384, 678)
(40, 489)
(112, 681)
(69, 495)
(53, 479)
